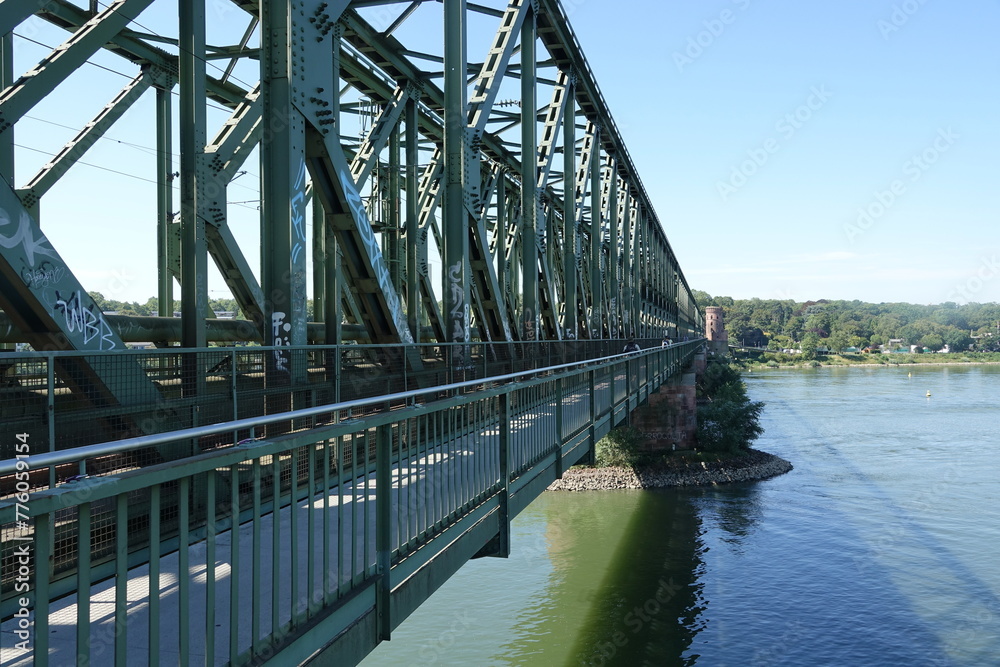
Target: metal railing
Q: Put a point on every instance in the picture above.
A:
(241, 552)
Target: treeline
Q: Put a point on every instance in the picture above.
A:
(837, 325)
(152, 306)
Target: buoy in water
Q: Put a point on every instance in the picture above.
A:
(928, 394)
(909, 375)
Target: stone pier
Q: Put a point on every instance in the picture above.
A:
(669, 419)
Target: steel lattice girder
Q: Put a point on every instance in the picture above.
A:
(378, 66)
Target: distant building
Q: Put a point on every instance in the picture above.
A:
(715, 331)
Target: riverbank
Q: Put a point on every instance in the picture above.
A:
(752, 466)
(780, 360)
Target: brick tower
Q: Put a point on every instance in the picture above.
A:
(715, 331)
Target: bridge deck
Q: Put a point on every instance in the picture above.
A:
(325, 550)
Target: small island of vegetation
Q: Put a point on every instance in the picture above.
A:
(728, 424)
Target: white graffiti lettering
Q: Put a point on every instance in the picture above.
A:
(529, 324)
(280, 337)
(375, 256)
(46, 274)
(25, 236)
(459, 307)
(86, 320)
(298, 213)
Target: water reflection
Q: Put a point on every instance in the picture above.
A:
(646, 610)
(737, 510)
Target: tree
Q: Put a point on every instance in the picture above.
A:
(729, 421)
(932, 341)
(837, 341)
(808, 346)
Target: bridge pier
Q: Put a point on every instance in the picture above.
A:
(669, 419)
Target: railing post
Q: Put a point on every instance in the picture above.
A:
(51, 409)
(559, 427)
(383, 525)
(504, 475)
(232, 388)
(592, 381)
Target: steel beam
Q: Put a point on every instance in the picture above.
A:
(529, 182)
(569, 216)
(81, 143)
(29, 89)
(455, 252)
(44, 299)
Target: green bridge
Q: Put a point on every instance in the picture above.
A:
(452, 256)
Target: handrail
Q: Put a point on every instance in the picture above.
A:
(139, 442)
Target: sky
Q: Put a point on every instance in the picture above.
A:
(808, 150)
(794, 150)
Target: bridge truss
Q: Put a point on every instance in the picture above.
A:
(499, 163)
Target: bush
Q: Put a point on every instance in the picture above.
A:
(619, 448)
(729, 421)
(773, 364)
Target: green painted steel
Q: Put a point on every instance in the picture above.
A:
(435, 469)
(433, 179)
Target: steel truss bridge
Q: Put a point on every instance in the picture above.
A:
(453, 242)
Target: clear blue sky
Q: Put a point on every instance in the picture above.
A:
(786, 224)
(760, 129)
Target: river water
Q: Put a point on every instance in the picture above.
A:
(881, 547)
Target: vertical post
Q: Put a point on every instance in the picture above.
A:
(319, 259)
(504, 550)
(529, 181)
(626, 262)
(613, 287)
(569, 211)
(332, 304)
(596, 221)
(592, 387)
(455, 217)
(392, 231)
(164, 202)
(283, 193)
(383, 525)
(559, 428)
(501, 234)
(412, 219)
(194, 251)
(638, 277)
(50, 410)
(194, 255)
(7, 136)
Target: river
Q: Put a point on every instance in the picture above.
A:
(881, 547)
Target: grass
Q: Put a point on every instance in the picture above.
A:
(776, 360)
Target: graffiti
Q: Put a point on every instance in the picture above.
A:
(298, 213)
(43, 276)
(529, 324)
(86, 320)
(459, 310)
(280, 337)
(375, 256)
(25, 237)
(422, 267)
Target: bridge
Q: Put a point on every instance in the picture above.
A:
(412, 367)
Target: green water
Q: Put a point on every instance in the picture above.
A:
(880, 548)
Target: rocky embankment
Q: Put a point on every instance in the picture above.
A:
(754, 465)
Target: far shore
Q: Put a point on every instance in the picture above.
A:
(805, 364)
